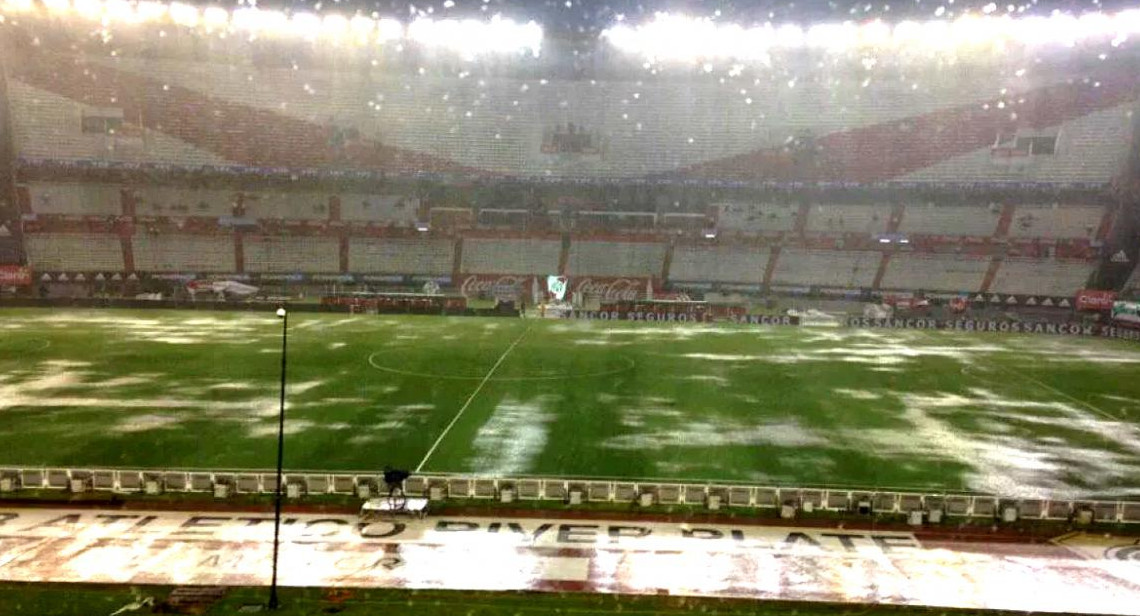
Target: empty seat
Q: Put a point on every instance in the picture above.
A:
(1055, 221)
(75, 199)
(184, 253)
(83, 252)
(935, 272)
(511, 256)
(848, 218)
(291, 254)
(1041, 277)
(401, 256)
(826, 268)
(178, 202)
(930, 219)
(757, 217)
(594, 258)
(383, 209)
(314, 206)
(718, 264)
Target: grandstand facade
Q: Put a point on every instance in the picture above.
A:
(197, 156)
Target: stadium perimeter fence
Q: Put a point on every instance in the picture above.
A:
(440, 486)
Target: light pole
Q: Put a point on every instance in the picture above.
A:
(284, 316)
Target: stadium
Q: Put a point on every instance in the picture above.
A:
(849, 293)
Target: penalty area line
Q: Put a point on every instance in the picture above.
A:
(470, 398)
(1022, 375)
(1087, 405)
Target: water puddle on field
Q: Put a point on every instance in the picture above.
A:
(513, 437)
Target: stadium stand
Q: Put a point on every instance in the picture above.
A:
(757, 217)
(1132, 285)
(78, 252)
(824, 268)
(179, 107)
(849, 218)
(1041, 277)
(74, 199)
(384, 209)
(180, 110)
(164, 201)
(934, 272)
(718, 264)
(1087, 149)
(296, 254)
(50, 126)
(599, 258)
(184, 253)
(401, 256)
(1055, 221)
(931, 219)
(511, 256)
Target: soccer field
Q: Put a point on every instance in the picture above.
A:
(1018, 415)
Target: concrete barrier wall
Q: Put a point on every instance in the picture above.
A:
(459, 486)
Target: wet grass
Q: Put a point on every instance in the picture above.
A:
(1014, 414)
(101, 600)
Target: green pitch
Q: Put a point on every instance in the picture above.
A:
(1017, 415)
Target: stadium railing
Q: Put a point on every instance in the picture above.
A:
(438, 486)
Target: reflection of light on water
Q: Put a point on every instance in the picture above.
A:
(483, 568)
(647, 572)
(939, 578)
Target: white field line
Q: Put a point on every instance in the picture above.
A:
(1040, 383)
(1091, 407)
(470, 398)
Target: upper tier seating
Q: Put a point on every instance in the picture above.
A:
(861, 130)
(1056, 222)
(1132, 286)
(383, 209)
(718, 264)
(78, 252)
(935, 272)
(184, 253)
(1041, 277)
(296, 254)
(314, 206)
(75, 199)
(826, 268)
(930, 219)
(596, 258)
(49, 126)
(167, 201)
(849, 218)
(511, 256)
(1090, 148)
(401, 256)
(757, 217)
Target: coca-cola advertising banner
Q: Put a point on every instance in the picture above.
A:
(15, 276)
(613, 289)
(1014, 327)
(503, 285)
(604, 289)
(1092, 299)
